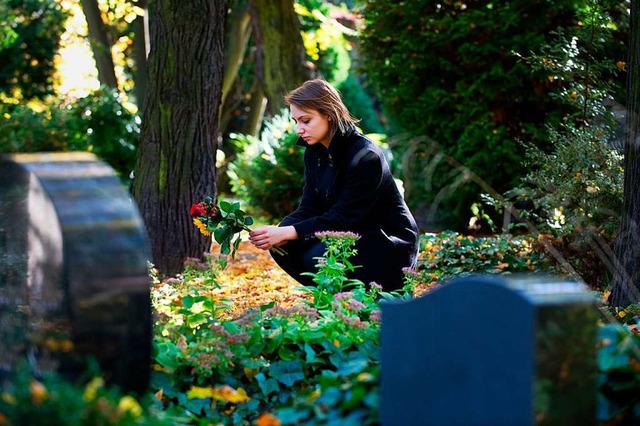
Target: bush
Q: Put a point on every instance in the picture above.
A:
(97, 123)
(360, 104)
(268, 173)
(449, 254)
(445, 71)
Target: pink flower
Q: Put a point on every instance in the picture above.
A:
(376, 315)
(338, 234)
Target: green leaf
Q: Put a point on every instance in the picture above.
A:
(221, 234)
(248, 221)
(266, 385)
(168, 355)
(225, 206)
(195, 320)
(287, 372)
(353, 366)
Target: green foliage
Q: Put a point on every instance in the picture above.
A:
(225, 220)
(449, 254)
(333, 266)
(325, 39)
(574, 187)
(303, 364)
(307, 363)
(97, 123)
(448, 72)
(577, 186)
(329, 46)
(54, 401)
(28, 44)
(619, 382)
(360, 104)
(269, 172)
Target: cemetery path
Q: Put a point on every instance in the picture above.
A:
(253, 279)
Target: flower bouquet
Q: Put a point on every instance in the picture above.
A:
(225, 221)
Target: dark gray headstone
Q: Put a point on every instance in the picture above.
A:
(74, 282)
(489, 350)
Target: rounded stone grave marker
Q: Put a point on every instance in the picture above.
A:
(74, 281)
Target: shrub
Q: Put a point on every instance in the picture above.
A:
(573, 188)
(97, 123)
(449, 254)
(360, 104)
(445, 71)
(268, 173)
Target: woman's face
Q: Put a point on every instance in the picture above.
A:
(311, 125)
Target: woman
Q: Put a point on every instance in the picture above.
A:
(348, 187)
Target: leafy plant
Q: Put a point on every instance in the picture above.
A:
(268, 172)
(619, 381)
(54, 400)
(333, 266)
(448, 254)
(314, 363)
(98, 123)
(225, 221)
(479, 99)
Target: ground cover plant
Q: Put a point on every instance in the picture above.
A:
(247, 345)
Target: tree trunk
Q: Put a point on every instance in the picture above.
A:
(239, 32)
(100, 44)
(625, 286)
(176, 157)
(139, 48)
(281, 64)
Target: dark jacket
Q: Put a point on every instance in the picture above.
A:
(349, 187)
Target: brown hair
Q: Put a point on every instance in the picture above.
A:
(320, 96)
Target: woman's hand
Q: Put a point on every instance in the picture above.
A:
(267, 237)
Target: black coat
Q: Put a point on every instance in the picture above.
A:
(349, 187)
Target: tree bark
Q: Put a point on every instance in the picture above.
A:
(280, 61)
(176, 157)
(139, 51)
(100, 43)
(625, 286)
(239, 32)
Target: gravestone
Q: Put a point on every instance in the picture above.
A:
(74, 282)
(490, 350)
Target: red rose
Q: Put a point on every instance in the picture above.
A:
(197, 210)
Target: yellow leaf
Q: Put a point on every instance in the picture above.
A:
(229, 394)
(128, 404)
(336, 342)
(502, 265)
(8, 398)
(199, 392)
(91, 389)
(250, 372)
(365, 377)
(313, 395)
